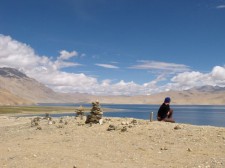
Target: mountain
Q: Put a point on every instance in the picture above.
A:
(206, 95)
(178, 97)
(208, 88)
(18, 89)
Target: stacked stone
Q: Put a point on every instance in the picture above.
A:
(96, 114)
(80, 112)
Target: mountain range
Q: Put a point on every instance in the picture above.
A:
(16, 88)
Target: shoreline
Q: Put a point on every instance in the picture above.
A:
(61, 111)
(41, 110)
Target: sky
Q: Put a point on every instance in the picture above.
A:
(115, 47)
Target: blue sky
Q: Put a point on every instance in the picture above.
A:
(118, 47)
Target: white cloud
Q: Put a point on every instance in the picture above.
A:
(18, 55)
(188, 80)
(218, 73)
(120, 88)
(65, 55)
(61, 64)
(107, 66)
(220, 7)
(48, 71)
(161, 66)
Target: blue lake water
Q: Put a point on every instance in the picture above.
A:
(189, 114)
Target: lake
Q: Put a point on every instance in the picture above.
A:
(189, 114)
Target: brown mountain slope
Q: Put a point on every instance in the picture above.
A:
(25, 91)
(178, 97)
(7, 98)
(17, 88)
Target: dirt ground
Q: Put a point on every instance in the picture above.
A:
(117, 143)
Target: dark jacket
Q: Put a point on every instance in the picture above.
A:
(163, 110)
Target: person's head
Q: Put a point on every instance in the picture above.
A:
(167, 100)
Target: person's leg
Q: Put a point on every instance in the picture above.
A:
(169, 120)
(169, 117)
(159, 119)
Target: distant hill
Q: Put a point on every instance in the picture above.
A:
(206, 95)
(208, 88)
(16, 88)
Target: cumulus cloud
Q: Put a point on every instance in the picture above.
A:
(16, 54)
(65, 55)
(21, 56)
(218, 73)
(120, 88)
(187, 80)
(107, 66)
(160, 66)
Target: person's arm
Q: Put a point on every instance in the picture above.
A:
(168, 110)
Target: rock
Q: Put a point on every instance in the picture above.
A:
(164, 148)
(101, 121)
(177, 127)
(124, 129)
(134, 122)
(39, 128)
(80, 112)
(60, 126)
(80, 124)
(111, 127)
(61, 120)
(35, 121)
(107, 119)
(124, 123)
(189, 150)
(47, 116)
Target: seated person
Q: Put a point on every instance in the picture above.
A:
(165, 113)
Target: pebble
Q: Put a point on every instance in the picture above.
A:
(39, 128)
(124, 129)
(177, 127)
(189, 150)
(111, 127)
(124, 123)
(164, 148)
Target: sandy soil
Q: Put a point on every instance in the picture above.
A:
(70, 143)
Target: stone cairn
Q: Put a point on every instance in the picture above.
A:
(95, 114)
(80, 112)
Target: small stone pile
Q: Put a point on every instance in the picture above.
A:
(35, 121)
(80, 112)
(95, 114)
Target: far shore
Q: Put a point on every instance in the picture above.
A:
(32, 110)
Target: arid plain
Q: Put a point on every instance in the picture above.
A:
(118, 142)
